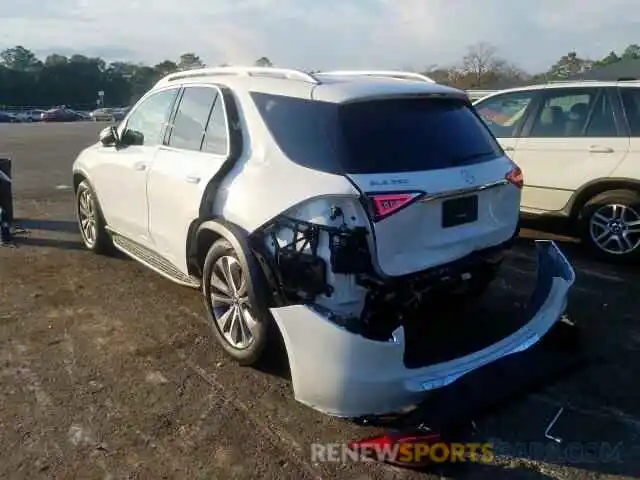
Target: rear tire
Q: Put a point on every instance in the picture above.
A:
(90, 220)
(610, 226)
(240, 326)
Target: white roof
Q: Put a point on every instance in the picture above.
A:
(337, 87)
(341, 89)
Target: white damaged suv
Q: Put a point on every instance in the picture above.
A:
(322, 208)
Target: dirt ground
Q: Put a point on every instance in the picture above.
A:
(109, 371)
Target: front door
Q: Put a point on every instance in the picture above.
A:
(196, 149)
(120, 177)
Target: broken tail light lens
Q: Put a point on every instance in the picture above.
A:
(385, 204)
(515, 176)
(398, 449)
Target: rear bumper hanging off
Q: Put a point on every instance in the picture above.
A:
(346, 375)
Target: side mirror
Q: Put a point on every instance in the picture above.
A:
(131, 137)
(109, 136)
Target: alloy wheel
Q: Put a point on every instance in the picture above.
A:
(615, 229)
(87, 217)
(230, 301)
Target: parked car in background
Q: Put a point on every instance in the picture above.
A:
(61, 115)
(34, 115)
(103, 115)
(120, 113)
(578, 145)
(6, 117)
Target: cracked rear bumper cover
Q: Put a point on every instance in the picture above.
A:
(346, 375)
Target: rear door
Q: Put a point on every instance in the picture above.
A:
(630, 97)
(434, 177)
(197, 146)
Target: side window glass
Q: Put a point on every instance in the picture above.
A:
(146, 122)
(217, 135)
(631, 102)
(504, 113)
(191, 117)
(563, 114)
(602, 122)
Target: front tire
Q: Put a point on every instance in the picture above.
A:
(611, 226)
(239, 325)
(90, 220)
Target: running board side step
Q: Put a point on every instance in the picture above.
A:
(152, 260)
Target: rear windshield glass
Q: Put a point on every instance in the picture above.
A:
(379, 136)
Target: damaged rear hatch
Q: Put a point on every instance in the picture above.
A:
(437, 184)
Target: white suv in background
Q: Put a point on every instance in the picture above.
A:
(323, 208)
(578, 145)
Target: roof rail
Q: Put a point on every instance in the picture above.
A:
(575, 80)
(382, 73)
(248, 71)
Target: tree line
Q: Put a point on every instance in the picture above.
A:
(26, 80)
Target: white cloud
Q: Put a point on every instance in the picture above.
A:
(328, 34)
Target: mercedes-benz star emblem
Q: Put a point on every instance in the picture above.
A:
(467, 176)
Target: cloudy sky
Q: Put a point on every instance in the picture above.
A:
(321, 34)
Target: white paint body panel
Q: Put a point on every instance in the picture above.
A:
(175, 188)
(555, 168)
(120, 181)
(412, 239)
(630, 167)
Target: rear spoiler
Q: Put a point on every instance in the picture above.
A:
(452, 95)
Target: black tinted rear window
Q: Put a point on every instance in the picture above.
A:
(413, 134)
(396, 135)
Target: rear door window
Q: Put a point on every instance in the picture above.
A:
(216, 139)
(192, 117)
(565, 113)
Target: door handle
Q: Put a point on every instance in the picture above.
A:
(192, 179)
(140, 166)
(600, 149)
(508, 149)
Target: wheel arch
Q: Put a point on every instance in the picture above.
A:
(203, 233)
(596, 187)
(78, 177)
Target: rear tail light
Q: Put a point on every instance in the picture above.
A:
(385, 204)
(515, 176)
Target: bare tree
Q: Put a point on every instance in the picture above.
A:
(479, 60)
